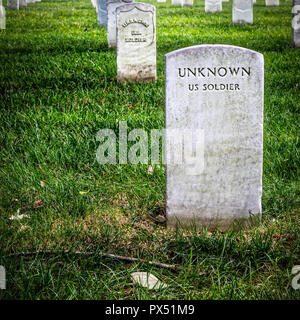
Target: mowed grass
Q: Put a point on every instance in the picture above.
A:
(58, 88)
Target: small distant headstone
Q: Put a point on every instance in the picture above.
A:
(213, 6)
(177, 2)
(161, 1)
(187, 3)
(296, 22)
(214, 135)
(272, 3)
(136, 42)
(22, 3)
(2, 16)
(13, 4)
(111, 20)
(242, 12)
(102, 12)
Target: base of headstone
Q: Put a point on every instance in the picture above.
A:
(216, 224)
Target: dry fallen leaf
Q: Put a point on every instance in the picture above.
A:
(147, 280)
(83, 192)
(43, 183)
(23, 227)
(161, 218)
(38, 204)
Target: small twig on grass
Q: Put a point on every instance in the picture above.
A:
(109, 255)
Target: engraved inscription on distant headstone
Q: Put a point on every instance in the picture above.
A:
(213, 6)
(215, 177)
(136, 42)
(242, 12)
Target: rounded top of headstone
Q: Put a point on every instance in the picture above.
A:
(214, 47)
(140, 5)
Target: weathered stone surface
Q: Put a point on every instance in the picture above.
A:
(22, 3)
(13, 4)
(217, 90)
(296, 23)
(2, 16)
(102, 12)
(213, 6)
(187, 3)
(112, 5)
(272, 3)
(136, 42)
(177, 2)
(242, 12)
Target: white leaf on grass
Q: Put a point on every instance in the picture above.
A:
(18, 216)
(147, 280)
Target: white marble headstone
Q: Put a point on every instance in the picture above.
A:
(187, 3)
(214, 176)
(2, 17)
(296, 23)
(22, 3)
(13, 4)
(242, 12)
(213, 6)
(177, 2)
(111, 21)
(136, 42)
(102, 12)
(272, 3)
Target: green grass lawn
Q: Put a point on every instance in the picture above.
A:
(58, 88)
